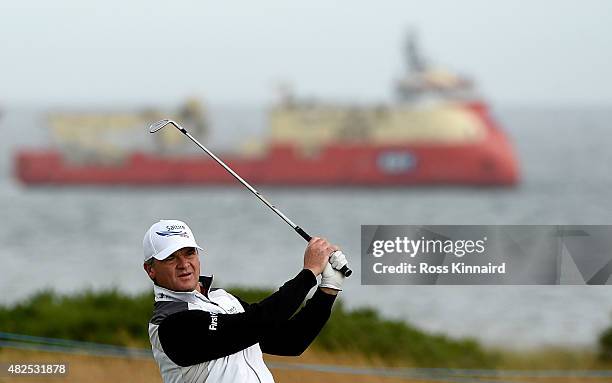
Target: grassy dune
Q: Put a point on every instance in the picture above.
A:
(85, 368)
(93, 369)
(351, 337)
(114, 318)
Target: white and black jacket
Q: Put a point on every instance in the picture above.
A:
(216, 337)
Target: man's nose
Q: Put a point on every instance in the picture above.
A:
(182, 262)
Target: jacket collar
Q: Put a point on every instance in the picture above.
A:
(164, 294)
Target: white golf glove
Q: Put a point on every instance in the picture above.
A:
(331, 277)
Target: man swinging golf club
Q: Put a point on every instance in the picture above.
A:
(201, 334)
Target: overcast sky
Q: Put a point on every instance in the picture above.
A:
(75, 52)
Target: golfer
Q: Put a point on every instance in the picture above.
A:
(202, 334)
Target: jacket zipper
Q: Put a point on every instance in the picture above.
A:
(248, 364)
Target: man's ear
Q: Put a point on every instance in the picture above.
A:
(150, 270)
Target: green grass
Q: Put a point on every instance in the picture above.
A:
(115, 318)
(105, 317)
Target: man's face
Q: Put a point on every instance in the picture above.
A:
(179, 272)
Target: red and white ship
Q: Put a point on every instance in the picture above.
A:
(438, 132)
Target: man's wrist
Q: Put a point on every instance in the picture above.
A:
(312, 271)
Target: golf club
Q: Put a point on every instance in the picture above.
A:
(162, 123)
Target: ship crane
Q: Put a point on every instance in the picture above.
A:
(422, 81)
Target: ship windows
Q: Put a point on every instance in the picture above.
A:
(396, 162)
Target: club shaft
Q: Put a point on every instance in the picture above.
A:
(242, 181)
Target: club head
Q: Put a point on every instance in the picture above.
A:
(156, 126)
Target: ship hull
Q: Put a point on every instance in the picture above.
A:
(488, 162)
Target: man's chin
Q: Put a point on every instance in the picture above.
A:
(189, 285)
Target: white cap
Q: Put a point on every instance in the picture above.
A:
(165, 237)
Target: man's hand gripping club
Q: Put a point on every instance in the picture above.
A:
(325, 259)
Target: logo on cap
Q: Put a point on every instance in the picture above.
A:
(172, 233)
